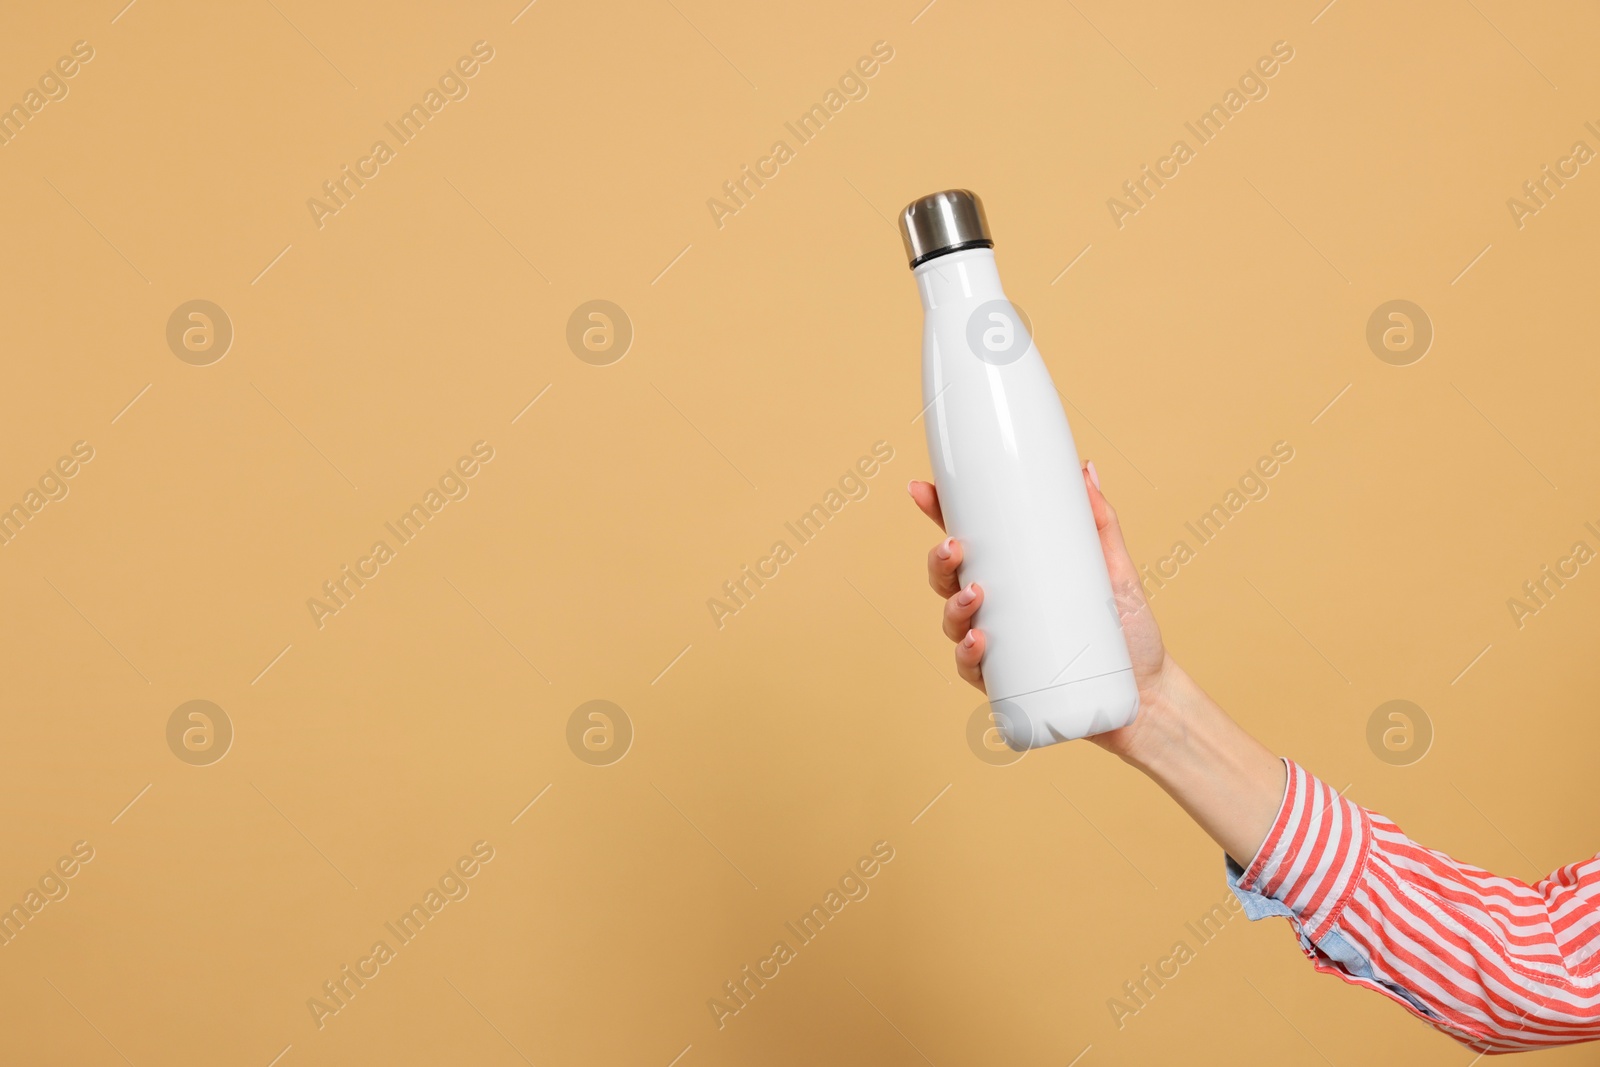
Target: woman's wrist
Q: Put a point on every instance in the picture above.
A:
(1229, 782)
(1168, 704)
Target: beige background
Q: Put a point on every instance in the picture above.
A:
(769, 354)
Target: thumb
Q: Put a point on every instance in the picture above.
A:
(1118, 563)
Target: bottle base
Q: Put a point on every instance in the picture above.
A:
(1067, 711)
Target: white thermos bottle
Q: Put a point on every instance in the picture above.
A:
(1056, 665)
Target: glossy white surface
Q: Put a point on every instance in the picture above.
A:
(1010, 485)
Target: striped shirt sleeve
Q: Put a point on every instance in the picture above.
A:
(1500, 965)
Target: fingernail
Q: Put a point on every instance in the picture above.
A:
(966, 596)
(971, 639)
(1094, 475)
(946, 547)
(909, 485)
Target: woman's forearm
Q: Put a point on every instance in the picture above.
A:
(1505, 967)
(1225, 779)
(1495, 963)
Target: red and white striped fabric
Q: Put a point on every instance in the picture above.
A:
(1499, 965)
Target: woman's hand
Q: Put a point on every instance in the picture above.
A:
(1148, 654)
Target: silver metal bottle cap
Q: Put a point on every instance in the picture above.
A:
(944, 222)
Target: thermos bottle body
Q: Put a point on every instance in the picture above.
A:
(1010, 485)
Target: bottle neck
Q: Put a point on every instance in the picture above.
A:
(958, 278)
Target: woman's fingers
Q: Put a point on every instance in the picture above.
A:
(969, 659)
(1133, 609)
(943, 560)
(944, 557)
(927, 498)
(958, 611)
(1118, 562)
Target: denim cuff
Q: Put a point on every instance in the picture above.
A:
(1311, 861)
